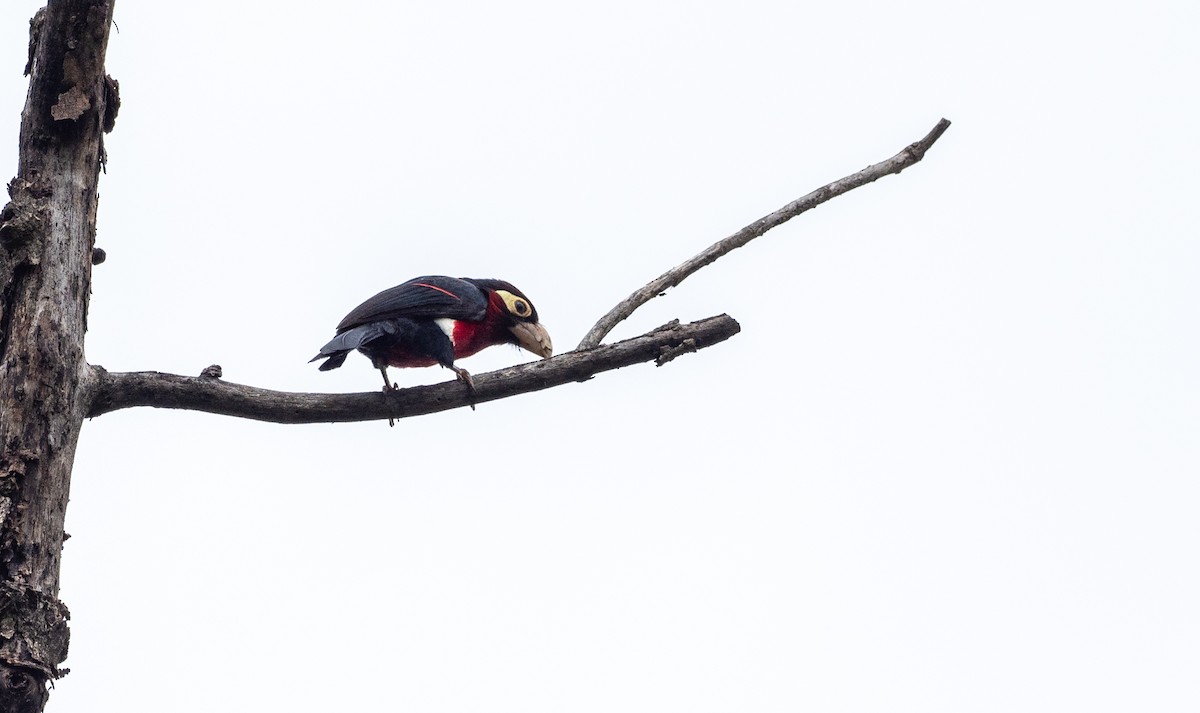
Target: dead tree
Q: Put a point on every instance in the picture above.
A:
(47, 389)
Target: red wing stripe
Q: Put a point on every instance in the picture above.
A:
(435, 287)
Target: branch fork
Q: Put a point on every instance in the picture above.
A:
(113, 391)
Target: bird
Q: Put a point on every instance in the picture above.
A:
(436, 319)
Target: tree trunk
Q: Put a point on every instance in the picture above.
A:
(46, 246)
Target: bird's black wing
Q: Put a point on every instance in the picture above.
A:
(431, 297)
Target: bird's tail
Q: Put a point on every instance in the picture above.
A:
(334, 353)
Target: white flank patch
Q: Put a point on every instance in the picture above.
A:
(447, 325)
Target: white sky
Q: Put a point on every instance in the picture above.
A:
(950, 463)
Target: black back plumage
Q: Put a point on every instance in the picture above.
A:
(429, 297)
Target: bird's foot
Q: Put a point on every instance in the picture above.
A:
(388, 384)
(465, 377)
(388, 387)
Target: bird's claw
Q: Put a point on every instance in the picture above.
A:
(465, 377)
(388, 384)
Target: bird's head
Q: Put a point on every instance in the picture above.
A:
(514, 310)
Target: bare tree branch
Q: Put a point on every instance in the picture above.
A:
(113, 391)
(910, 155)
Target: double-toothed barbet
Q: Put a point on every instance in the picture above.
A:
(435, 320)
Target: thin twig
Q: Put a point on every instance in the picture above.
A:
(909, 156)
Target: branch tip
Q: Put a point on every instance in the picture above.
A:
(910, 155)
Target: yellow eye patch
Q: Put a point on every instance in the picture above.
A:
(517, 306)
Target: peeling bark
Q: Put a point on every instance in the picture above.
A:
(46, 239)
